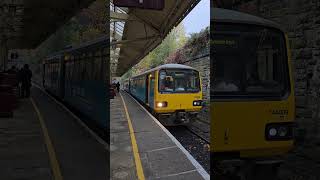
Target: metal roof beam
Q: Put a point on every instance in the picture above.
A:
(149, 24)
(118, 16)
(133, 40)
(115, 35)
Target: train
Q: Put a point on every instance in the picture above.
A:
(252, 102)
(172, 92)
(77, 77)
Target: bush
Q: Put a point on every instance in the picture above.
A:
(197, 44)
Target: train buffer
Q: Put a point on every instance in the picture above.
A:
(43, 141)
(141, 148)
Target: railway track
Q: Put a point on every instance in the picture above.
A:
(191, 128)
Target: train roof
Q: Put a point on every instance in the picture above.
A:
(166, 66)
(102, 41)
(225, 15)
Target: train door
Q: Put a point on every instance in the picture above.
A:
(151, 90)
(43, 74)
(147, 90)
(129, 85)
(62, 76)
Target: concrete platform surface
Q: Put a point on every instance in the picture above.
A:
(23, 153)
(80, 156)
(26, 155)
(161, 156)
(121, 155)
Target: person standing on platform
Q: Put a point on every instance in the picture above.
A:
(26, 76)
(118, 86)
(19, 77)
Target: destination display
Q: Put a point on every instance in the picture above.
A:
(223, 42)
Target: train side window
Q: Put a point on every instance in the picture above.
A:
(83, 67)
(76, 68)
(89, 65)
(81, 60)
(100, 59)
(79, 68)
(71, 62)
(50, 71)
(67, 75)
(97, 67)
(71, 69)
(105, 62)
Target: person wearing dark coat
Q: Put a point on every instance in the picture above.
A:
(118, 86)
(26, 76)
(19, 78)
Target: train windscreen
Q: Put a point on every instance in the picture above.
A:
(248, 61)
(179, 81)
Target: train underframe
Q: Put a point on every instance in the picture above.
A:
(179, 117)
(246, 168)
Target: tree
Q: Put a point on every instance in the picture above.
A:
(174, 40)
(85, 26)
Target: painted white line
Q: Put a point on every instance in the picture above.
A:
(92, 133)
(160, 149)
(195, 163)
(170, 175)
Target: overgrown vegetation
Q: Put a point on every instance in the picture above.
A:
(175, 48)
(85, 26)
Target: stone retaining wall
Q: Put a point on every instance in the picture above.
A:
(202, 64)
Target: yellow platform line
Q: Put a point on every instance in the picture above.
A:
(134, 145)
(52, 155)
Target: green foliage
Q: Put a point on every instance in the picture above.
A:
(85, 26)
(174, 40)
(198, 43)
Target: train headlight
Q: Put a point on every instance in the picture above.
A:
(279, 131)
(283, 131)
(272, 132)
(161, 104)
(197, 103)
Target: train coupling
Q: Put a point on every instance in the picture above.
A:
(181, 117)
(185, 117)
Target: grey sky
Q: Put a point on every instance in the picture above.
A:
(198, 18)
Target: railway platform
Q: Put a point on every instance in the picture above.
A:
(44, 141)
(141, 148)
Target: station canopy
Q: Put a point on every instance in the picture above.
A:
(24, 24)
(144, 29)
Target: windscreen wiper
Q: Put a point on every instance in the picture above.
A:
(262, 37)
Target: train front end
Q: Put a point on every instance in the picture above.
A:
(252, 96)
(178, 96)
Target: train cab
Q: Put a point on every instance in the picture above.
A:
(172, 91)
(252, 92)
